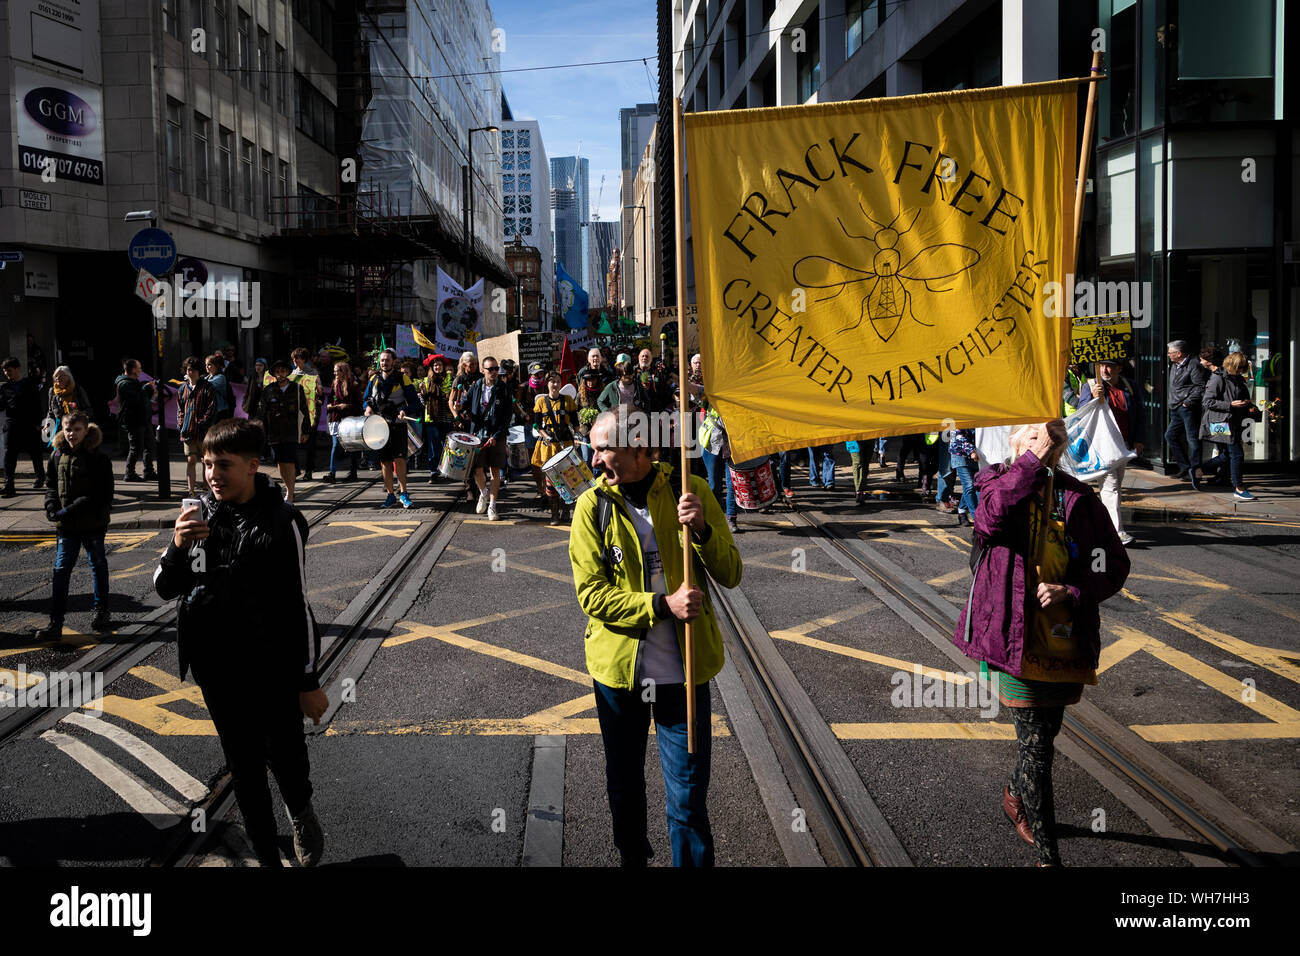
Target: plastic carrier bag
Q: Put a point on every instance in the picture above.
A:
(1095, 444)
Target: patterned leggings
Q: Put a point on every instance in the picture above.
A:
(1031, 781)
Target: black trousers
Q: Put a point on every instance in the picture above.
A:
(1031, 781)
(259, 726)
(17, 444)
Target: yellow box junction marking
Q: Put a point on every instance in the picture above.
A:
(372, 529)
(121, 540)
(557, 719)
(150, 713)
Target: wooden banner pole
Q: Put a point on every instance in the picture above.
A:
(683, 400)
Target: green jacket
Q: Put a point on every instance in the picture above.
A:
(79, 482)
(619, 604)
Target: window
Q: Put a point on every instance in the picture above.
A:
(525, 182)
(198, 14)
(201, 135)
(508, 160)
(508, 206)
(281, 81)
(246, 169)
(317, 18)
(522, 139)
(860, 19)
(508, 182)
(266, 186)
(810, 60)
(284, 190)
(245, 51)
(264, 64)
(221, 35)
(507, 139)
(525, 160)
(171, 23)
(525, 202)
(175, 131)
(526, 225)
(315, 114)
(510, 225)
(225, 146)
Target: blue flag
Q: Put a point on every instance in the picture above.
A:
(571, 299)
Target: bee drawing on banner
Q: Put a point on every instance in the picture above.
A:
(887, 300)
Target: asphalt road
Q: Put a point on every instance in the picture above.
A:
(435, 760)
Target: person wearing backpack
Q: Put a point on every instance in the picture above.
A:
(626, 551)
(134, 417)
(221, 390)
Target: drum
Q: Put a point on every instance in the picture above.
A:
(362, 432)
(570, 475)
(517, 456)
(753, 483)
(458, 456)
(413, 440)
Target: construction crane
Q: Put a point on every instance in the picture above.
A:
(595, 211)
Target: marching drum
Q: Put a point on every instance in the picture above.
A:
(458, 456)
(753, 483)
(363, 432)
(570, 475)
(517, 449)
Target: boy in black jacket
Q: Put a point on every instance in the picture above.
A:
(78, 498)
(243, 550)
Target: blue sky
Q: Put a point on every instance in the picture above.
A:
(582, 103)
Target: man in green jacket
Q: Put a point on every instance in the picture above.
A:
(78, 497)
(627, 567)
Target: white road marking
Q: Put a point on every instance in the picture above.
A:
(155, 807)
(185, 785)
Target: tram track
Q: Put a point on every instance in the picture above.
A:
(347, 647)
(1233, 834)
(131, 645)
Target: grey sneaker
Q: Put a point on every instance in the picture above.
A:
(308, 837)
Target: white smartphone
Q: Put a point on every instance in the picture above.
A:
(190, 503)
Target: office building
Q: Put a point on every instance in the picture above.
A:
(571, 207)
(526, 197)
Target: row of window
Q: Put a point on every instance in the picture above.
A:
(256, 65)
(313, 112)
(215, 182)
(523, 159)
(521, 183)
(522, 203)
(516, 139)
(523, 226)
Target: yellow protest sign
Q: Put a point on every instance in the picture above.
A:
(1098, 337)
(310, 385)
(875, 267)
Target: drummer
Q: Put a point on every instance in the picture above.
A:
(531, 390)
(557, 418)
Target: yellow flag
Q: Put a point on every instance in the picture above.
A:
(877, 267)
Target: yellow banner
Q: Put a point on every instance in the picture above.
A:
(877, 267)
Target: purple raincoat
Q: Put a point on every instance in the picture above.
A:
(997, 627)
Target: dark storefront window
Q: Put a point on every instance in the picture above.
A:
(1116, 98)
(810, 58)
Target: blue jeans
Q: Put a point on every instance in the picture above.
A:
(730, 496)
(1184, 421)
(337, 452)
(947, 474)
(433, 439)
(713, 469)
(1234, 454)
(821, 466)
(966, 469)
(783, 469)
(65, 559)
(624, 719)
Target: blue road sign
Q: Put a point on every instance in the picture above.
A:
(153, 250)
(11, 257)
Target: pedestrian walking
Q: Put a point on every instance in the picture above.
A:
(557, 418)
(307, 375)
(590, 385)
(392, 396)
(244, 547)
(625, 389)
(345, 402)
(629, 576)
(821, 467)
(964, 460)
(221, 389)
(196, 406)
(467, 373)
(65, 397)
(283, 413)
(490, 406)
(135, 418)
(20, 400)
(1111, 385)
(1227, 406)
(78, 499)
(1187, 381)
(1047, 555)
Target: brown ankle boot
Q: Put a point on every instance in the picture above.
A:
(1015, 810)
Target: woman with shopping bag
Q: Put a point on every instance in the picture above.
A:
(1227, 405)
(1110, 384)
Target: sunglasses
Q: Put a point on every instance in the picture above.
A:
(489, 368)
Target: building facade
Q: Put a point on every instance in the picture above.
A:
(526, 299)
(570, 207)
(641, 239)
(1196, 184)
(635, 124)
(526, 198)
(602, 241)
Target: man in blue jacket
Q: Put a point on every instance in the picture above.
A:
(490, 407)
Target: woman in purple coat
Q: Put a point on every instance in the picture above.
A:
(1033, 613)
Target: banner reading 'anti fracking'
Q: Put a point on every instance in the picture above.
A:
(876, 267)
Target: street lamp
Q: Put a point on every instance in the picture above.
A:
(161, 451)
(469, 191)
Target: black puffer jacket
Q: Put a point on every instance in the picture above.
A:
(79, 484)
(1220, 392)
(242, 593)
